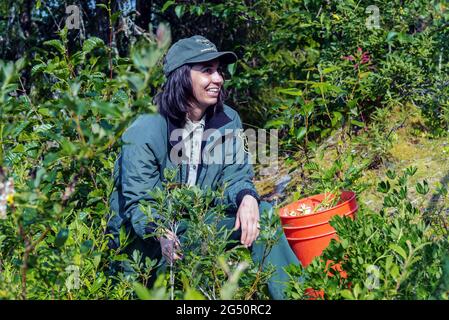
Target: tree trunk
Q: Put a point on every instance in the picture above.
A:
(143, 8)
(25, 25)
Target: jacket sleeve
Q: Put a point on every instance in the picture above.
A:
(140, 174)
(238, 175)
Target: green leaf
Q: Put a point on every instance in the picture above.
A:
(337, 116)
(123, 237)
(179, 10)
(192, 294)
(347, 294)
(20, 127)
(101, 5)
(357, 290)
(330, 69)
(37, 68)
(325, 87)
(61, 237)
(120, 257)
(308, 109)
(68, 147)
(197, 10)
(410, 171)
(358, 123)
(276, 123)
(56, 44)
(44, 111)
(403, 37)
(115, 16)
(402, 194)
(300, 133)
(403, 180)
(394, 271)
(50, 157)
(86, 246)
(391, 35)
(398, 250)
(120, 96)
(422, 188)
(96, 259)
(441, 190)
(364, 74)
(43, 127)
(391, 174)
(390, 201)
(39, 175)
(291, 91)
(19, 148)
(106, 108)
(167, 5)
(383, 186)
(142, 292)
(91, 43)
(231, 68)
(97, 283)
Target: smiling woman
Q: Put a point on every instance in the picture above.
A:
(207, 81)
(190, 108)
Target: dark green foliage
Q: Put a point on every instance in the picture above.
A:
(59, 143)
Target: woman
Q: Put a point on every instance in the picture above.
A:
(191, 112)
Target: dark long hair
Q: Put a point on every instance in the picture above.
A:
(175, 98)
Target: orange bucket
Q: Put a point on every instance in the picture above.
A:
(322, 228)
(308, 235)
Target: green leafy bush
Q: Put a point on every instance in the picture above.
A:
(58, 145)
(212, 265)
(392, 254)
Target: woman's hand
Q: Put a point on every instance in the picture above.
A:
(170, 246)
(248, 219)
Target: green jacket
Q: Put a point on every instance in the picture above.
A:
(153, 143)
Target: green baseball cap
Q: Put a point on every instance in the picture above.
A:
(193, 50)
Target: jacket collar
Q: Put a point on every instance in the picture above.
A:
(214, 120)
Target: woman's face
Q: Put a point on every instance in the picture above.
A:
(206, 83)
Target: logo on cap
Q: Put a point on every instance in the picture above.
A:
(207, 43)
